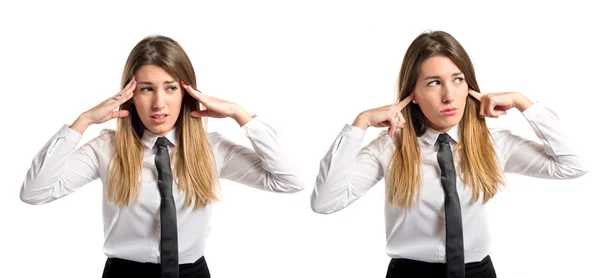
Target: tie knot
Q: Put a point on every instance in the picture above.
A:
(443, 138)
(161, 142)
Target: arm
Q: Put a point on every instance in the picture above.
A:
(554, 158)
(266, 167)
(59, 168)
(347, 172)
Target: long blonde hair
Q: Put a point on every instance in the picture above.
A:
(477, 160)
(193, 158)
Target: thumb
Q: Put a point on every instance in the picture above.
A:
(200, 113)
(119, 114)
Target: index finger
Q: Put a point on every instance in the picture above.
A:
(406, 101)
(475, 94)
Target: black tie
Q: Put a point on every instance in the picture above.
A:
(455, 255)
(169, 254)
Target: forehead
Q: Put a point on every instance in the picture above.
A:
(437, 66)
(152, 73)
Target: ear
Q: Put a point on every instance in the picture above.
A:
(414, 100)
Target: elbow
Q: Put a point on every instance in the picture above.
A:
(319, 206)
(576, 173)
(316, 207)
(31, 198)
(28, 199)
(288, 188)
(289, 184)
(568, 173)
(571, 170)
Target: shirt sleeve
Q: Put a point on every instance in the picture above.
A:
(60, 168)
(554, 158)
(347, 171)
(265, 167)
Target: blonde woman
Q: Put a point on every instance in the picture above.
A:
(159, 169)
(440, 162)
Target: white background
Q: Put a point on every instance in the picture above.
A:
(306, 68)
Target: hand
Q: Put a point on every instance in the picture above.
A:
(105, 110)
(496, 104)
(386, 116)
(217, 108)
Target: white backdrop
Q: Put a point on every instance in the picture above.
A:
(306, 68)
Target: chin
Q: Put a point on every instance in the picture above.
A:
(160, 129)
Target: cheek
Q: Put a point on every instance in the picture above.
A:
(175, 103)
(140, 103)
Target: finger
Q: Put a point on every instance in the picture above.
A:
(132, 86)
(119, 114)
(406, 101)
(195, 93)
(129, 85)
(131, 81)
(122, 98)
(482, 105)
(385, 123)
(490, 110)
(188, 88)
(394, 125)
(200, 113)
(126, 93)
(475, 94)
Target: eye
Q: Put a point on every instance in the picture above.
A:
(433, 83)
(172, 88)
(458, 80)
(146, 89)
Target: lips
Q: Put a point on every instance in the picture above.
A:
(158, 116)
(447, 110)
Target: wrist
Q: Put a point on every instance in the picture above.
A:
(81, 124)
(240, 115)
(360, 122)
(84, 119)
(522, 102)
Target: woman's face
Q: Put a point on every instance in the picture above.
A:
(157, 99)
(441, 92)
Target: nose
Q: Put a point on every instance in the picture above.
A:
(158, 102)
(448, 94)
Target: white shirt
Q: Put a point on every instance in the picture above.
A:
(347, 172)
(133, 232)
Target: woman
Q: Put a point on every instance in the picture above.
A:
(156, 219)
(436, 222)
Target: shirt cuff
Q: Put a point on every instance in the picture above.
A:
(252, 126)
(532, 111)
(354, 132)
(69, 134)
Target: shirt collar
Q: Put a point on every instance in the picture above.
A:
(149, 138)
(431, 135)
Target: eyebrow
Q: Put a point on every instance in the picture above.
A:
(438, 77)
(150, 83)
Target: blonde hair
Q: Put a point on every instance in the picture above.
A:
(477, 160)
(193, 159)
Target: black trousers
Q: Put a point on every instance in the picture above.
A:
(404, 268)
(118, 268)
